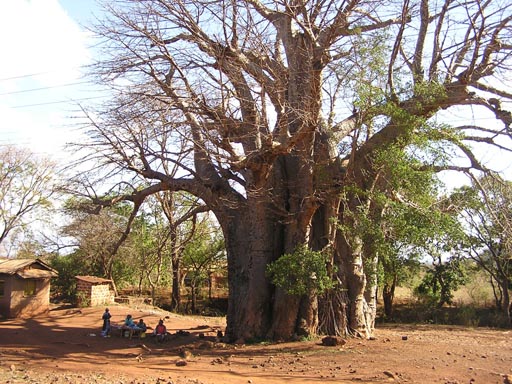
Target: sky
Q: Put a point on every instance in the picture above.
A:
(45, 49)
(44, 53)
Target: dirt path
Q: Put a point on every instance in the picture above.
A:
(66, 347)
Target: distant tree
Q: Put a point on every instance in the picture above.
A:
(181, 211)
(68, 266)
(31, 246)
(98, 238)
(159, 234)
(486, 208)
(203, 255)
(149, 256)
(27, 185)
(441, 280)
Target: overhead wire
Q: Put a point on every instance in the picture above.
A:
(58, 102)
(35, 74)
(43, 88)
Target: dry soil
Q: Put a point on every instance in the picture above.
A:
(65, 346)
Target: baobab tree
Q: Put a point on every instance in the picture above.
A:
(279, 109)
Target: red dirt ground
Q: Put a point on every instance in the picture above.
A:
(65, 347)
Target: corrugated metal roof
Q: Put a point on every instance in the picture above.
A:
(93, 279)
(26, 267)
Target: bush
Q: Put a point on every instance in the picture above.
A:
(301, 272)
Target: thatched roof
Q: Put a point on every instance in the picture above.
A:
(27, 268)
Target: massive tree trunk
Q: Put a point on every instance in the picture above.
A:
(256, 309)
(280, 206)
(271, 222)
(333, 304)
(249, 303)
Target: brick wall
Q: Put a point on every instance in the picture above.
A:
(93, 294)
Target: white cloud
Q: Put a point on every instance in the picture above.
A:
(39, 37)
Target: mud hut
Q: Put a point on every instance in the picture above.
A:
(24, 287)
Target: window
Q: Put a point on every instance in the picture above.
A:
(2, 288)
(30, 287)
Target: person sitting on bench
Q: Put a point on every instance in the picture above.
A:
(130, 324)
(160, 331)
(142, 325)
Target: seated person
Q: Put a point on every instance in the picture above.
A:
(130, 323)
(160, 331)
(142, 326)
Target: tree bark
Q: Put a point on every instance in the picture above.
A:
(370, 295)
(506, 301)
(249, 300)
(388, 296)
(176, 266)
(356, 285)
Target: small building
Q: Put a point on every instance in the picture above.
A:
(93, 291)
(24, 287)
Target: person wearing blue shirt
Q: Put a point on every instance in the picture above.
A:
(105, 330)
(129, 322)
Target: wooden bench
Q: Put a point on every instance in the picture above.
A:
(129, 333)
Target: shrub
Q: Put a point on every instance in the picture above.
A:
(301, 272)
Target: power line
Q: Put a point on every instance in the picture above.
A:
(43, 88)
(33, 74)
(57, 102)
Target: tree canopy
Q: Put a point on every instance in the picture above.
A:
(27, 185)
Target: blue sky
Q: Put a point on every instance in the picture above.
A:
(44, 50)
(82, 11)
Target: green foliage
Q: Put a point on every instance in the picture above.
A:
(64, 285)
(428, 94)
(204, 254)
(404, 218)
(441, 281)
(301, 272)
(82, 300)
(400, 219)
(486, 209)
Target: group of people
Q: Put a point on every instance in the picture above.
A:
(159, 332)
(140, 326)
